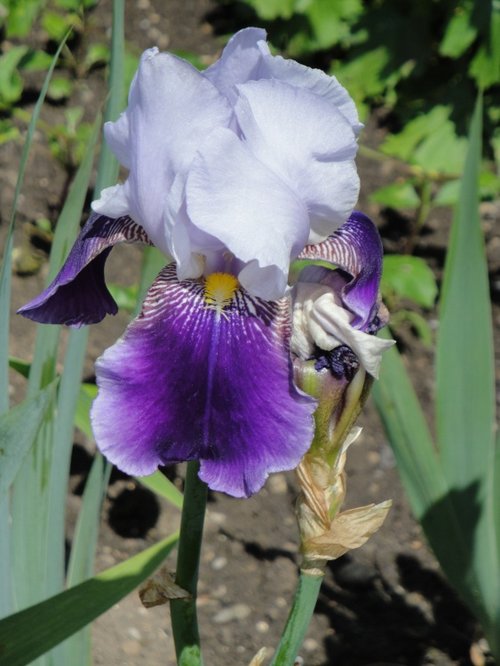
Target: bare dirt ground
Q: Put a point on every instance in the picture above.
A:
(383, 605)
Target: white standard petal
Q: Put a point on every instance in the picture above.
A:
(113, 201)
(240, 61)
(309, 143)
(117, 135)
(172, 108)
(315, 80)
(251, 211)
(319, 320)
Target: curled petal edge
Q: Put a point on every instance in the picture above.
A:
(78, 294)
(355, 248)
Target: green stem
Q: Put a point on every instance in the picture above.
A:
(183, 611)
(299, 618)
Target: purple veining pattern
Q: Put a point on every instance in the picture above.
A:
(356, 248)
(189, 382)
(78, 294)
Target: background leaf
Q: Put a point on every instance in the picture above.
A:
(409, 277)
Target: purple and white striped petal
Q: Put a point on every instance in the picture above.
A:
(78, 294)
(203, 374)
(355, 248)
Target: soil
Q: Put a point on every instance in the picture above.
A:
(385, 604)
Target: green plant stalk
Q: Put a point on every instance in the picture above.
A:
(298, 620)
(183, 611)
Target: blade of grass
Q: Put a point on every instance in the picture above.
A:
(20, 365)
(30, 633)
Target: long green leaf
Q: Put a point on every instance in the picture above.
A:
(420, 469)
(87, 395)
(107, 172)
(464, 357)
(18, 429)
(465, 404)
(78, 648)
(60, 458)
(6, 602)
(30, 633)
(5, 272)
(409, 434)
(5, 288)
(34, 545)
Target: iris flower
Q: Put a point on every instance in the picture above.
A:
(234, 173)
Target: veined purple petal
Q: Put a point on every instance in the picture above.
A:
(78, 294)
(200, 375)
(356, 248)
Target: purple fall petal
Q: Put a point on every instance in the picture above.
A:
(78, 294)
(191, 381)
(356, 248)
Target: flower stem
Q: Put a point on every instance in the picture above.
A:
(183, 611)
(299, 618)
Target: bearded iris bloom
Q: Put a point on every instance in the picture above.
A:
(233, 173)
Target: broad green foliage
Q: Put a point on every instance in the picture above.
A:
(54, 18)
(429, 142)
(408, 277)
(401, 194)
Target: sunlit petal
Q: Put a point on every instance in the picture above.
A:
(203, 374)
